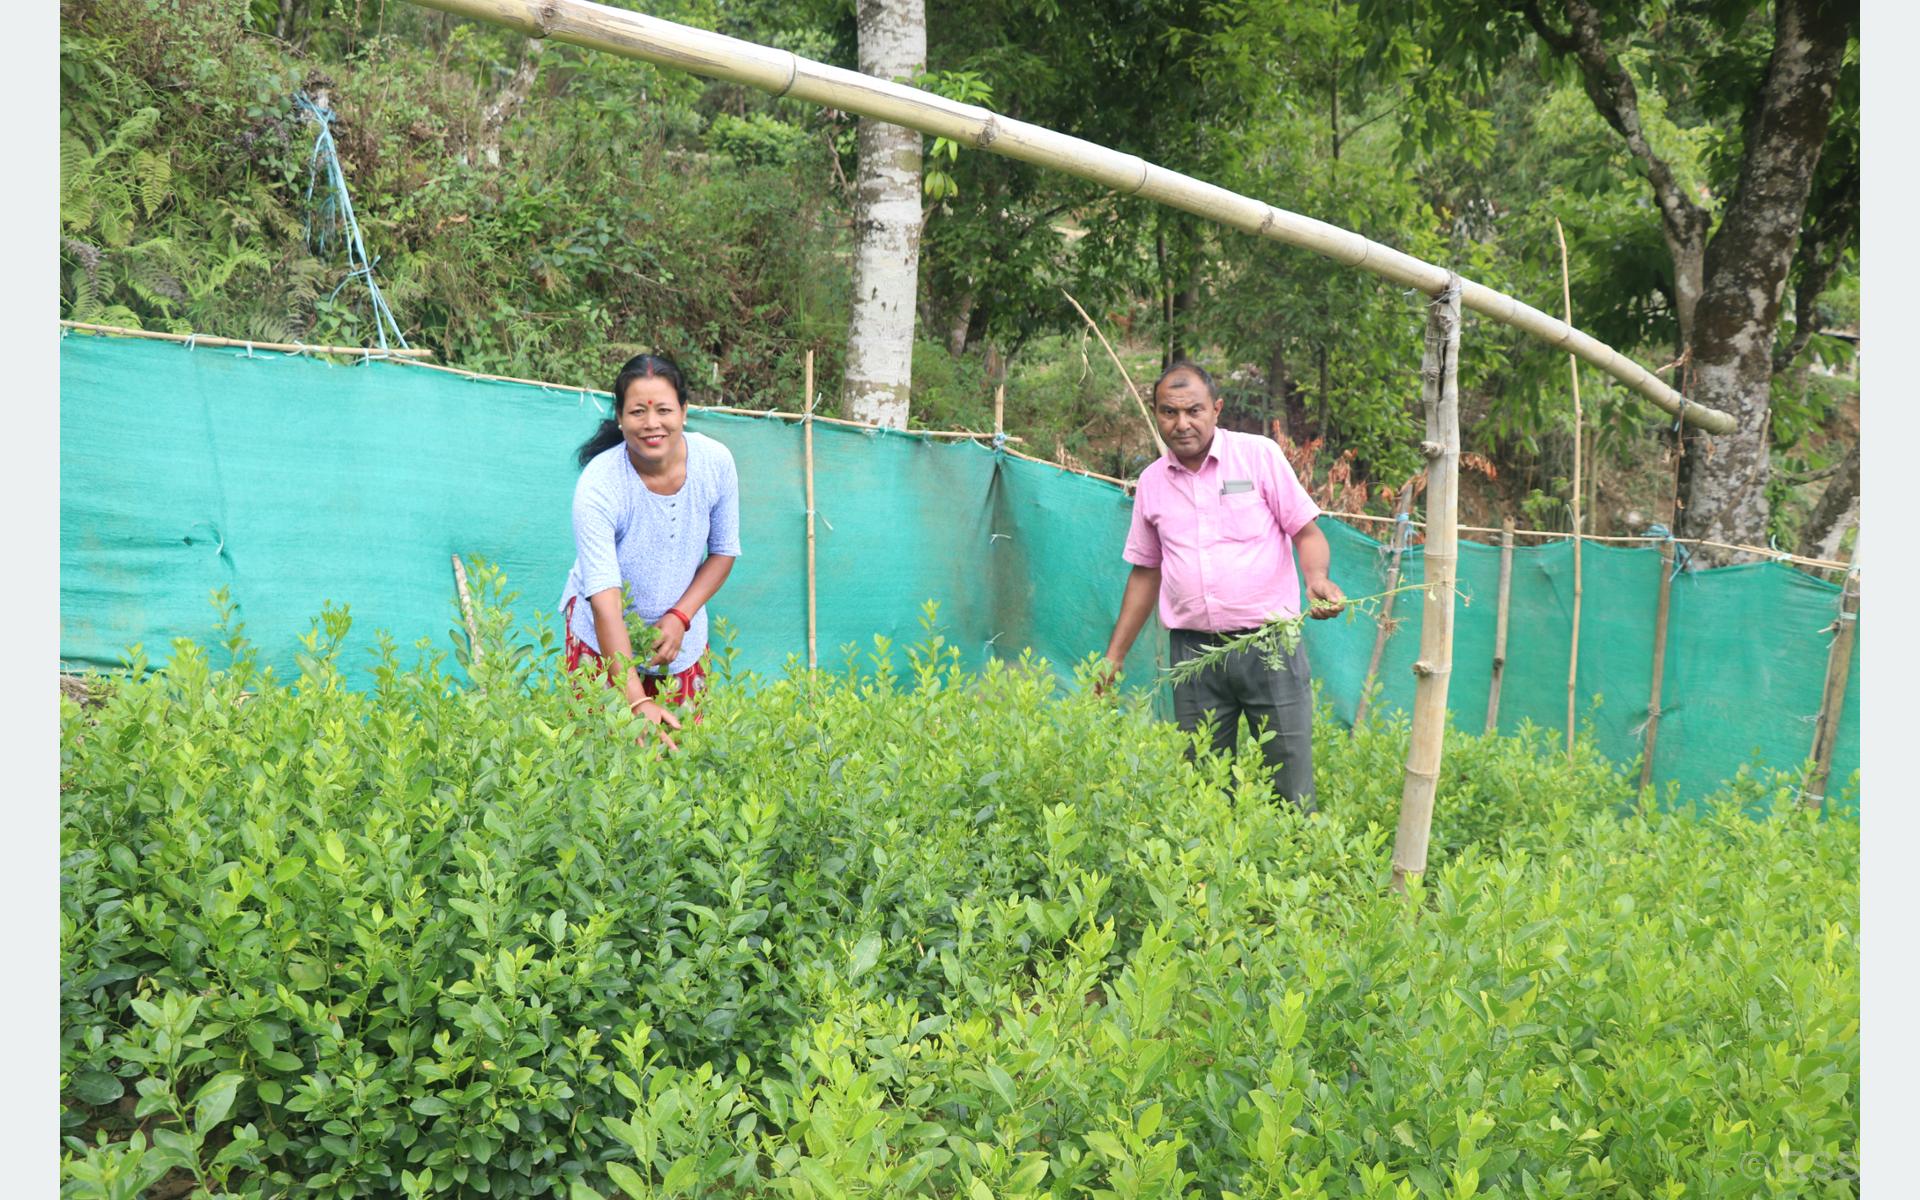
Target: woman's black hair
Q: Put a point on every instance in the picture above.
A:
(640, 366)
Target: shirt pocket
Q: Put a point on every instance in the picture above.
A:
(1244, 517)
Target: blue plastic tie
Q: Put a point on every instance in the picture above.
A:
(1680, 553)
(337, 209)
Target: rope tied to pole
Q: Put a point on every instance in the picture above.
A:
(335, 211)
(1680, 552)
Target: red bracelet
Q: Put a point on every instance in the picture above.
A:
(686, 622)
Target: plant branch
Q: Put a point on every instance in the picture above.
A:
(1278, 636)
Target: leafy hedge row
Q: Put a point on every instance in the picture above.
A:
(909, 932)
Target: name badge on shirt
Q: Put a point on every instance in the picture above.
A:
(1232, 486)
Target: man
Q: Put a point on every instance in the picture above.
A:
(1216, 523)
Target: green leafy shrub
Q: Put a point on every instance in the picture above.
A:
(907, 930)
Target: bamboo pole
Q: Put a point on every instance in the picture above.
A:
(207, 339)
(1000, 411)
(1382, 627)
(813, 653)
(466, 609)
(1625, 539)
(1440, 394)
(1573, 368)
(1500, 625)
(784, 74)
(1661, 608)
(1833, 697)
(1152, 429)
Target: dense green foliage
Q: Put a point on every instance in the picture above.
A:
(910, 931)
(633, 209)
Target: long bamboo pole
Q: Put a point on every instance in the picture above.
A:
(1833, 697)
(1662, 607)
(1440, 394)
(784, 74)
(207, 339)
(1500, 625)
(813, 653)
(1384, 626)
(1573, 368)
(1820, 564)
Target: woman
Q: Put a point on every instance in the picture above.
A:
(657, 509)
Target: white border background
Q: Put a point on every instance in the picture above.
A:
(29, 481)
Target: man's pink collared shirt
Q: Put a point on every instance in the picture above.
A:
(1222, 536)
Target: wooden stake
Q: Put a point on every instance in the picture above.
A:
(806, 423)
(1000, 410)
(1661, 608)
(1833, 697)
(1440, 394)
(1500, 624)
(466, 609)
(1401, 531)
(1573, 368)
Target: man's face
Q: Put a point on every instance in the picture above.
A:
(1186, 415)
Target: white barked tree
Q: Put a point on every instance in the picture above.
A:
(886, 257)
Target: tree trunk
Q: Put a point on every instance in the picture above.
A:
(1279, 384)
(886, 268)
(507, 102)
(1727, 290)
(1837, 512)
(1184, 302)
(962, 320)
(1747, 265)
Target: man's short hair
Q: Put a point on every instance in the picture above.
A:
(1186, 366)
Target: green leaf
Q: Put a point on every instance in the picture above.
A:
(865, 954)
(681, 1174)
(431, 1106)
(98, 1087)
(1002, 1085)
(214, 1100)
(1106, 1144)
(627, 1180)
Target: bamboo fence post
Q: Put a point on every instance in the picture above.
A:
(1401, 531)
(782, 73)
(999, 411)
(1833, 697)
(466, 609)
(1500, 624)
(806, 424)
(1440, 395)
(1573, 368)
(1661, 608)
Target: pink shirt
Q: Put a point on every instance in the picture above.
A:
(1222, 536)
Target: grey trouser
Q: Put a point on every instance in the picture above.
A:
(1280, 700)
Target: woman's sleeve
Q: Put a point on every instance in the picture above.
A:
(723, 529)
(593, 527)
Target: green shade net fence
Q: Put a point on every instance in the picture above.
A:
(291, 481)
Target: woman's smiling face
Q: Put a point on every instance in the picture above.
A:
(651, 419)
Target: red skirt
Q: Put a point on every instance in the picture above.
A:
(687, 684)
